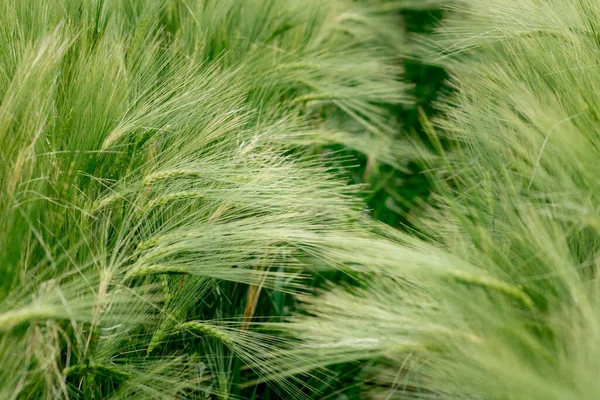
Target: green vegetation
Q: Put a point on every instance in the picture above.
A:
(267, 199)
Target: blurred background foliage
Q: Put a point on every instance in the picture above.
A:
(396, 192)
(393, 193)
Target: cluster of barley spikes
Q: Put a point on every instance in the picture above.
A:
(157, 191)
(161, 197)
